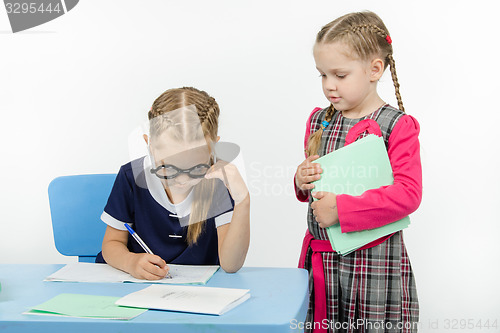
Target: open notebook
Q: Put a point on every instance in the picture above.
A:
(89, 272)
(354, 169)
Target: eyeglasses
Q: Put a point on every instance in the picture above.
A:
(169, 171)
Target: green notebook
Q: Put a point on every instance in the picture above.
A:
(354, 169)
(85, 306)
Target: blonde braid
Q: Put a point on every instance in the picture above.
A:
(329, 113)
(370, 27)
(359, 29)
(314, 141)
(395, 81)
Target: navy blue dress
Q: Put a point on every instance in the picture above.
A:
(131, 201)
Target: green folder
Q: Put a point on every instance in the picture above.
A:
(354, 169)
(85, 306)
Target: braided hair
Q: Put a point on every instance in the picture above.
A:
(366, 36)
(172, 99)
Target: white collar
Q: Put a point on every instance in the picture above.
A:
(158, 193)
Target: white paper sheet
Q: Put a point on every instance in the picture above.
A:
(89, 272)
(193, 299)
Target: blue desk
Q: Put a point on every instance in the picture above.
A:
(279, 298)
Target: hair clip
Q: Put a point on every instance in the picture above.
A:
(388, 39)
(325, 124)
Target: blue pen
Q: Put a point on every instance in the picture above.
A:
(142, 244)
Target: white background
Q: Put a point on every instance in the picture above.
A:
(72, 90)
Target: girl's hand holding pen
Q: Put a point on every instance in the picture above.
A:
(147, 266)
(141, 265)
(308, 172)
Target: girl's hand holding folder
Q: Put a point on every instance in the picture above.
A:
(307, 172)
(325, 209)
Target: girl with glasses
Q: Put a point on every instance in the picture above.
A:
(187, 206)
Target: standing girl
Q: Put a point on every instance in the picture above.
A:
(187, 208)
(371, 289)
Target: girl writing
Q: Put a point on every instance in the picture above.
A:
(371, 289)
(186, 206)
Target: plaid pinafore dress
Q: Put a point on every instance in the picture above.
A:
(369, 290)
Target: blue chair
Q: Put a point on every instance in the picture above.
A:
(76, 205)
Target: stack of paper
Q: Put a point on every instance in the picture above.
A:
(354, 169)
(89, 272)
(85, 306)
(204, 300)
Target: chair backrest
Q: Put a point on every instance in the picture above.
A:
(76, 205)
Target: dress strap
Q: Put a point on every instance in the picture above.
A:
(367, 125)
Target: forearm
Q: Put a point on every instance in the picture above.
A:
(234, 247)
(378, 207)
(117, 255)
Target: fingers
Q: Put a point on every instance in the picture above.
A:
(325, 210)
(307, 186)
(304, 183)
(311, 173)
(308, 162)
(156, 260)
(308, 172)
(217, 171)
(158, 268)
(316, 218)
(223, 171)
(229, 174)
(314, 206)
(153, 272)
(318, 195)
(152, 267)
(312, 158)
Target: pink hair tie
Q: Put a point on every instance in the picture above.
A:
(388, 39)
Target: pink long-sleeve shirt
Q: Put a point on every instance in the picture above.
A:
(387, 204)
